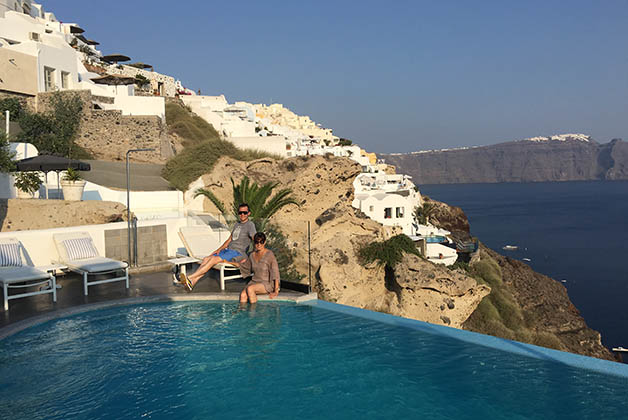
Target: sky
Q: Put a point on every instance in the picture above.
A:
(393, 78)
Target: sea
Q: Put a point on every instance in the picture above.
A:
(574, 232)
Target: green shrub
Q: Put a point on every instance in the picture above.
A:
(192, 128)
(54, 132)
(509, 312)
(203, 148)
(489, 271)
(387, 253)
(278, 243)
(14, 106)
(6, 155)
(29, 182)
(545, 339)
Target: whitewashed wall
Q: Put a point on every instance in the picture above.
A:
(42, 251)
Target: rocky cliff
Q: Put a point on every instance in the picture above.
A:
(323, 186)
(496, 295)
(568, 159)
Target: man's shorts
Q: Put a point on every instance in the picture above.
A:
(229, 254)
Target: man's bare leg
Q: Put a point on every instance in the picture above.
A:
(206, 265)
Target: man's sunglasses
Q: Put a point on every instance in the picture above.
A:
(259, 242)
(243, 212)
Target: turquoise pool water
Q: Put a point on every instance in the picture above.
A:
(199, 360)
(435, 239)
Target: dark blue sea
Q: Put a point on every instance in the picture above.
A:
(574, 232)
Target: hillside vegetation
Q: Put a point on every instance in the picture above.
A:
(202, 147)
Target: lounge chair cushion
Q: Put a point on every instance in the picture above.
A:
(21, 274)
(96, 264)
(80, 248)
(10, 255)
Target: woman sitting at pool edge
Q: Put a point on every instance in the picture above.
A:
(263, 264)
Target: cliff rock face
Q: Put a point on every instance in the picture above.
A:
(519, 161)
(548, 309)
(433, 293)
(419, 290)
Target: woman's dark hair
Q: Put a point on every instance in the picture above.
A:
(259, 237)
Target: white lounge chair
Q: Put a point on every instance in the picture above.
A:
(14, 274)
(199, 242)
(78, 252)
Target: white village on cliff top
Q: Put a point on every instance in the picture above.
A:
(40, 55)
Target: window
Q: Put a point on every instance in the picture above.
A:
(65, 80)
(49, 79)
(399, 213)
(371, 208)
(388, 213)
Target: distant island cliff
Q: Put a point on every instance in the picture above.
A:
(568, 157)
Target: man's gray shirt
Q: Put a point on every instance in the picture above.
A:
(241, 236)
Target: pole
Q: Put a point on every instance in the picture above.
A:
(309, 256)
(128, 197)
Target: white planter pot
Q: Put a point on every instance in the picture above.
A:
(73, 190)
(22, 194)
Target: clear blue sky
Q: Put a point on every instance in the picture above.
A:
(398, 77)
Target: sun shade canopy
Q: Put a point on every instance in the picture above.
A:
(114, 80)
(48, 163)
(114, 58)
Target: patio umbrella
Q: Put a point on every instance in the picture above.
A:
(50, 163)
(114, 80)
(115, 58)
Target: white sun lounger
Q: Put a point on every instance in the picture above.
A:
(15, 275)
(78, 252)
(199, 242)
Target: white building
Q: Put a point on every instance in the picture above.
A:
(37, 55)
(387, 199)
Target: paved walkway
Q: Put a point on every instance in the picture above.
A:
(144, 176)
(140, 285)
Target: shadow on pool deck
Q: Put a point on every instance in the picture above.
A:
(140, 285)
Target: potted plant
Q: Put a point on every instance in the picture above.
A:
(27, 184)
(72, 185)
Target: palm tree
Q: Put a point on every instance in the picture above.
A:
(259, 199)
(423, 213)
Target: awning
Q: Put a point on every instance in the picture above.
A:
(75, 29)
(49, 163)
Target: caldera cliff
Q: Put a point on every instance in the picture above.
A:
(577, 158)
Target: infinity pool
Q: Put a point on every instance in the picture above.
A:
(200, 360)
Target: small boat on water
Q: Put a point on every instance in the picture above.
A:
(510, 247)
(526, 259)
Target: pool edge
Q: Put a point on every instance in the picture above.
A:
(579, 361)
(18, 326)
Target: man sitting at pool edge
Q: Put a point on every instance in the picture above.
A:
(234, 248)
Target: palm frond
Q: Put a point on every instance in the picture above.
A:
(215, 201)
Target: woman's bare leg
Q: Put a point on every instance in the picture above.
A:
(255, 289)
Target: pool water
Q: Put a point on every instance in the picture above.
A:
(435, 239)
(204, 360)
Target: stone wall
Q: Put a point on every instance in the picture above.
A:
(27, 101)
(108, 134)
(155, 78)
(42, 100)
(151, 244)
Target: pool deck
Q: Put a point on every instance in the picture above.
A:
(143, 286)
